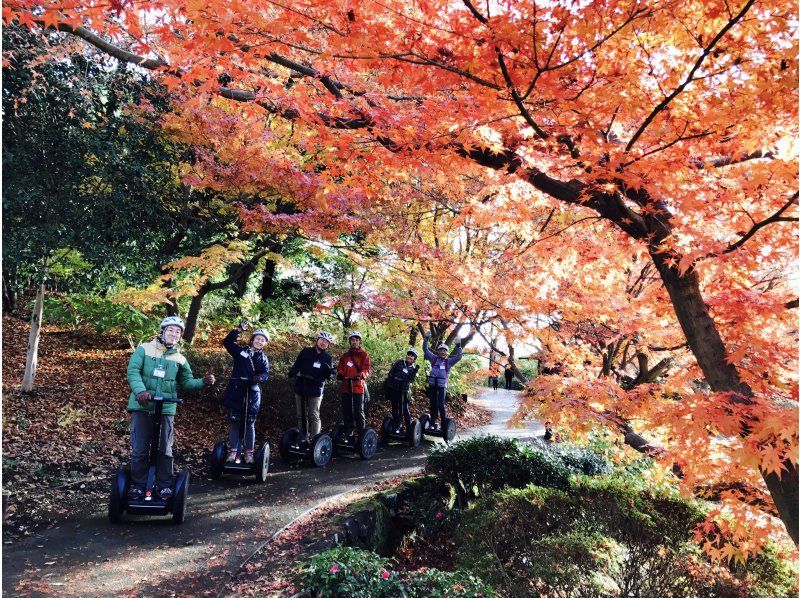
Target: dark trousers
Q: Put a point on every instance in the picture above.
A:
(400, 409)
(141, 431)
(494, 380)
(436, 395)
(509, 380)
(352, 412)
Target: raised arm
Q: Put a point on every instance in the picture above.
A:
(229, 342)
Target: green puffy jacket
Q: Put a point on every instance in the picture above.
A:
(178, 374)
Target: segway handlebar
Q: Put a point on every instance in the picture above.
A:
(166, 400)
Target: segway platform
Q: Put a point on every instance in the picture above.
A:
(447, 431)
(412, 436)
(293, 449)
(258, 468)
(364, 444)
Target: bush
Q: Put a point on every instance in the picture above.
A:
(484, 464)
(601, 537)
(354, 573)
(102, 314)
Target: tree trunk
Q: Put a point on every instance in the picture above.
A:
(709, 350)
(9, 297)
(193, 315)
(413, 333)
(268, 280)
(32, 358)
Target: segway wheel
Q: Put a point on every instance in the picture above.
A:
(424, 420)
(217, 460)
(116, 501)
(290, 438)
(179, 506)
(261, 463)
(386, 427)
(367, 443)
(414, 433)
(449, 429)
(321, 449)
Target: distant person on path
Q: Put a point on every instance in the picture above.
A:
(313, 366)
(354, 368)
(398, 382)
(494, 375)
(157, 369)
(548, 431)
(250, 369)
(509, 374)
(437, 379)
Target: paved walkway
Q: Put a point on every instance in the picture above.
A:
(226, 521)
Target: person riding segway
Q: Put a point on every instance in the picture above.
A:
(437, 389)
(397, 385)
(352, 434)
(311, 370)
(155, 372)
(242, 402)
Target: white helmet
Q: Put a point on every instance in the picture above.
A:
(260, 332)
(412, 352)
(325, 336)
(354, 334)
(442, 346)
(173, 321)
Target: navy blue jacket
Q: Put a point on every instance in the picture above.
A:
(311, 368)
(247, 364)
(401, 375)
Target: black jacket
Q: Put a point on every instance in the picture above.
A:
(311, 369)
(401, 375)
(249, 369)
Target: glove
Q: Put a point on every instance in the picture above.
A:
(427, 336)
(458, 342)
(242, 325)
(209, 379)
(255, 379)
(143, 398)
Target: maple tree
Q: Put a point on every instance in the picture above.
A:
(659, 136)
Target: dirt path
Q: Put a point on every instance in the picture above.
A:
(226, 522)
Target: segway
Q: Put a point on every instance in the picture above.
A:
(150, 503)
(260, 465)
(391, 431)
(447, 431)
(295, 447)
(364, 443)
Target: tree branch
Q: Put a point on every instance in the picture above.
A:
(690, 77)
(776, 217)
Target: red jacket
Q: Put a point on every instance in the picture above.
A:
(354, 364)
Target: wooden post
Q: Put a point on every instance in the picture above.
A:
(32, 358)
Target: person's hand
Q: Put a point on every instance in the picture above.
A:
(242, 325)
(143, 398)
(427, 336)
(209, 379)
(458, 342)
(255, 379)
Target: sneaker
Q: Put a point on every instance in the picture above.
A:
(248, 456)
(231, 456)
(165, 493)
(135, 493)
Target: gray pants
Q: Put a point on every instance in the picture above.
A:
(310, 425)
(141, 431)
